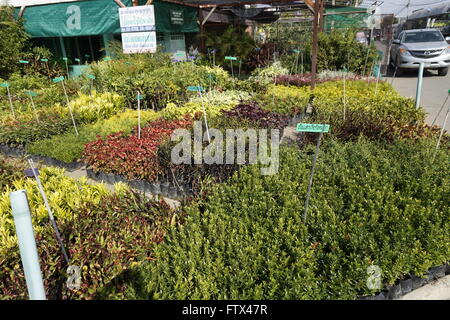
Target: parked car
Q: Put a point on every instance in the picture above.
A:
(412, 47)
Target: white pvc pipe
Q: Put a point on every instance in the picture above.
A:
(27, 245)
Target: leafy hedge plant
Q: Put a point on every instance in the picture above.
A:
(130, 156)
(103, 233)
(371, 204)
(361, 96)
(19, 133)
(69, 147)
(160, 81)
(10, 170)
(24, 128)
(287, 100)
(213, 102)
(254, 113)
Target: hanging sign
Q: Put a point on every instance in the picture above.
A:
(176, 17)
(140, 18)
(139, 42)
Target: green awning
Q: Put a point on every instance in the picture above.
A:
(96, 17)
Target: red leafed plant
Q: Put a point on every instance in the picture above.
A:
(130, 156)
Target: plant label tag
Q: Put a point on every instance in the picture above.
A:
(195, 88)
(4, 85)
(312, 127)
(44, 60)
(58, 79)
(90, 76)
(107, 59)
(31, 93)
(139, 97)
(77, 60)
(65, 59)
(230, 58)
(23, 61)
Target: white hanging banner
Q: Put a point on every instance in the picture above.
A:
(139, 42)
(134, 19)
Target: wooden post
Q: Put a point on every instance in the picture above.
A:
(315, 44)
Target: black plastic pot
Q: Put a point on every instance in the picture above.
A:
(395, 291)
(173, 193)
(90, 173)
(102, 177)
(406, 286)
(165, 188)
(447, 268)
(156, 188)
(438, 272)
(110, 178)
(417, 282)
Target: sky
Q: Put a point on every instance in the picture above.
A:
(398, 7)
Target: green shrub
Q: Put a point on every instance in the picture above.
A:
(287, 100)
(13, 39)
(69, 147)
(371, 204)
(103, 233)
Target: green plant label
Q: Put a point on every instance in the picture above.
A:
(195, 88)
(296, 51)
(86, 56)
(312, 127)
(106, 58)
(65, 59)
(23, 61)
(4, 85)
(90, 76)
(77, 60)
(139, 97)
(230, 58)
(31, 93)
(58, 79)
(44, 60)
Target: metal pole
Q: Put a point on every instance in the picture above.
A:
(49, 210)
(10, 102)
(70, 109)
(27, 245)
(442, 132)
(315, 44)
(204, 113)
(308, 193)
(139, 115)
(419, 84)
(440, 110)
(34, 108)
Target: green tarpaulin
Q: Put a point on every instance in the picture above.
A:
(96, 17)
(175, 18)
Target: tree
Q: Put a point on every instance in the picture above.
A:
(13, 39)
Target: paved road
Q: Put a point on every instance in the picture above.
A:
(434, 92)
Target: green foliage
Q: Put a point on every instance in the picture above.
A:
(246, 239)
(340, 49)
(159, 80)
(233, 42)
(287, 100)
(99, 231)
(12, 42)
(10, 170)
(69, 147)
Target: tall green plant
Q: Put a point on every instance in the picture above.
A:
(12, 41)
(233, 42)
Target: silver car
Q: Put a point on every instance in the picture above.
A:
(412, 47)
